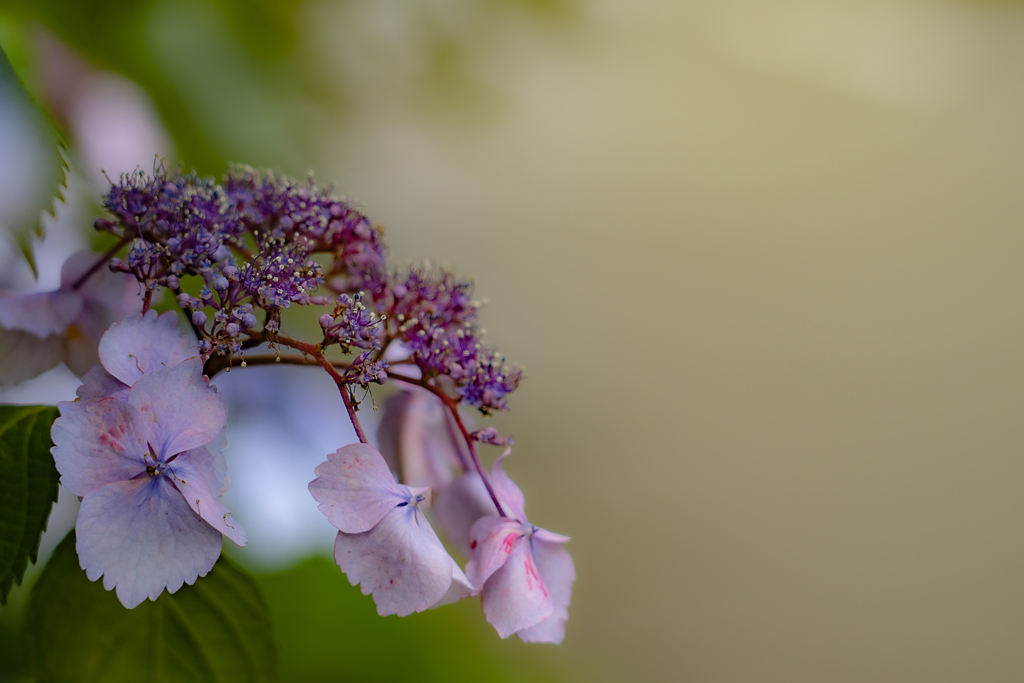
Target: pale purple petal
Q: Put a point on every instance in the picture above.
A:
(119, 293)
(460, 588)
(355, 488)
(418, 440)
(515, 597)
(491, 541)
(185, 411)
(400, 561)
(458, 505)
(142, 344)
(188, 480)
(556, 569)
(506, 490)
(142, 537)
(212, 463)
(40, 313)
(98, 383)
(97, 443)
(550, 536)
(26, 356)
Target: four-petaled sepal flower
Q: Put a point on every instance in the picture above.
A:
(524, 574)
(151, 516)
(385, 542)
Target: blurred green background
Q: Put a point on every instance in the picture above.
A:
(761, 260)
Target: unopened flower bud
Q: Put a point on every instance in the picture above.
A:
(199, 318)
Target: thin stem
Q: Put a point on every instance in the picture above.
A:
(453, 407)
(327, 365)
(109, 254)
(147, 300)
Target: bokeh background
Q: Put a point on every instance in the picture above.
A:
(761, 260)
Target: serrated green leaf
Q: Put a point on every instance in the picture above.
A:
(216, 630)
(28, 487)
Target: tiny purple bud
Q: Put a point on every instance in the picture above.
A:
(220, 284)
(173, 282)
(230, 271)
(184, 300)
(336, 210)
(231, 329)
(248, 321)
(220, 253)
(326, 320)
(318, 300)
(199, 318)
(286, 223)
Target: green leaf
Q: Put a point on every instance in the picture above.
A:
(28, 487)
(216, 630)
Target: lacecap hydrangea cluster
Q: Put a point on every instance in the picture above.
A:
(142, 445)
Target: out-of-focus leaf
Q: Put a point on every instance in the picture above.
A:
(328, 631)
(32, 170)
(216, 630)
(28, 487)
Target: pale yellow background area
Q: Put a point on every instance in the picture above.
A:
(763, 264)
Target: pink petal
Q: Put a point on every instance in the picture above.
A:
(142, 344)
(400, 561)
(97, 443)
(491, 541)
(40, 313)
(142, 537)
(26, 356)
(184, 411)
(458, 505)
(556, 568)
(550, 536)
(190, 482)
(98, 383)
(515, 597)
(355, 488)
(508, 493)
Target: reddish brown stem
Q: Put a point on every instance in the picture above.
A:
(109, 254)
(453, 407)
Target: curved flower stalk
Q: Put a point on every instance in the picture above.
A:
(39, 330)
(140, 457)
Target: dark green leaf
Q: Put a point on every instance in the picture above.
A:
(28, 487)
(216, 630)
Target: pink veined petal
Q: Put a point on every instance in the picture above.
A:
(142, 537)
(491, 542)
(98, 383)
(26, 356)
(458, 505)
(40, 313)
(355, 488)
(97, 443)
(400, 561)
(188, 480)
(508, 493)
(515, 597)
(556, 568)
(460, 588)
(141, 344)
(182, 409)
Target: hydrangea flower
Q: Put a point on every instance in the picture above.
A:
(384, 541)
(524, 574)
(141, 459)
(40, 329)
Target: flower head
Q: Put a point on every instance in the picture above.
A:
(144, 454)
